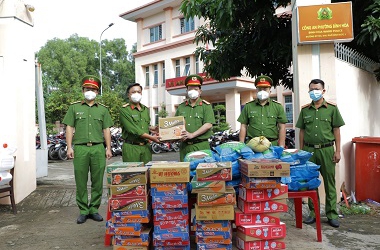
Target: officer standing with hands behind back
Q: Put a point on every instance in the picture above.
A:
(263, 116)
(199, 118)
(319, 123)
(91, 121)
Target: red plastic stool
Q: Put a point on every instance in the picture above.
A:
(297, 196)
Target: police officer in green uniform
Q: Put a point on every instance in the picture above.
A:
(319, 123)
(263, 116)
(91, 121)
(199, 118)
(136, 129)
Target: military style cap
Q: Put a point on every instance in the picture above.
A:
(193, 80)
(91, 82)
(263, 81)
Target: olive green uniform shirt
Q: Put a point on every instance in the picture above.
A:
(134, 122)
(196, 116)
(88, 121)
(319, 123)
(263, 120)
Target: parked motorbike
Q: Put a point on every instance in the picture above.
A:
(222, 137)
(116, 144)
(290, 139)
(58, 150)
(165, 147)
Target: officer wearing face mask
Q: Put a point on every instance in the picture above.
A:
(263, 116)
(199, 118)
(136, 129)
(319, 123)
(91, 121)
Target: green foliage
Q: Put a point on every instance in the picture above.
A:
(163, 113)
(244, 35)
(64, 62)
(220, 120)
(355, 209)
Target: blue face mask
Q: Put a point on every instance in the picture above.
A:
(315, 95)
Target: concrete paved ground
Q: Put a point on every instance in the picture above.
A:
(46, 219)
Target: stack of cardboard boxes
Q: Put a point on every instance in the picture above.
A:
(262, 198)
(214, 208)
(170, 205)
(129, 205)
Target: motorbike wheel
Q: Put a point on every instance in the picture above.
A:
(62, 153)
(52, 155)
(175, 146)
(156, 148)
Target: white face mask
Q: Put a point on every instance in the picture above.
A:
(136, 97)
(262, 95)
(193, 94)
(89, 95)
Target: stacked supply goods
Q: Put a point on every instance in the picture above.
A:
(170, 205)
(262, 198)
(304, 175)
(129, 206)
(214, 208)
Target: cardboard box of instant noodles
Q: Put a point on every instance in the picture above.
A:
(170, 128)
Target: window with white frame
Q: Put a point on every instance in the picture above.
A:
(196, 65)
(163, 73)
(187, 25)
(155, 33)
(155, 110)
(155, 71)
(186, 71)
(289, 108)
(177, 68)
(147, 76)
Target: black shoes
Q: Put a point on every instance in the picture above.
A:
(333, 222)
(82, 219)
(309, 220)
(95, 217)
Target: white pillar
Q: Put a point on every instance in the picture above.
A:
(233, 109)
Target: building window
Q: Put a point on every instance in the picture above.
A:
(177, 68)
(289, 108)
(187, 25)
(156, 33)
(196, 65)
(163, 72)
(155, 80)
(155, 110)
(186, 71)
(147, 76)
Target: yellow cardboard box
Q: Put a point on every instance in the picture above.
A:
(129, 175)
(216, 199)
(214, 171)
(224, 212)
(170, 128)
(178, 172)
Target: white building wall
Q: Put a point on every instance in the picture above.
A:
(17, 94)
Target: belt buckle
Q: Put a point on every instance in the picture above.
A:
(89, 144)
(190, 143)
(317, 146)
(141, 144)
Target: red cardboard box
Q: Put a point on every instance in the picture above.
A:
(256, 219)
(128, 204)
(267, 232)
(260, 182)
(252, 195)
(260, 244)
(271, 206)
(131, 190)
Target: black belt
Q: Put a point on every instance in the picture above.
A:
(269, 139)
(195, 141)
(89, 144)
(321, 145)
(136, 143)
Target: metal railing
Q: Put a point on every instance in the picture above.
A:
(355, 58)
